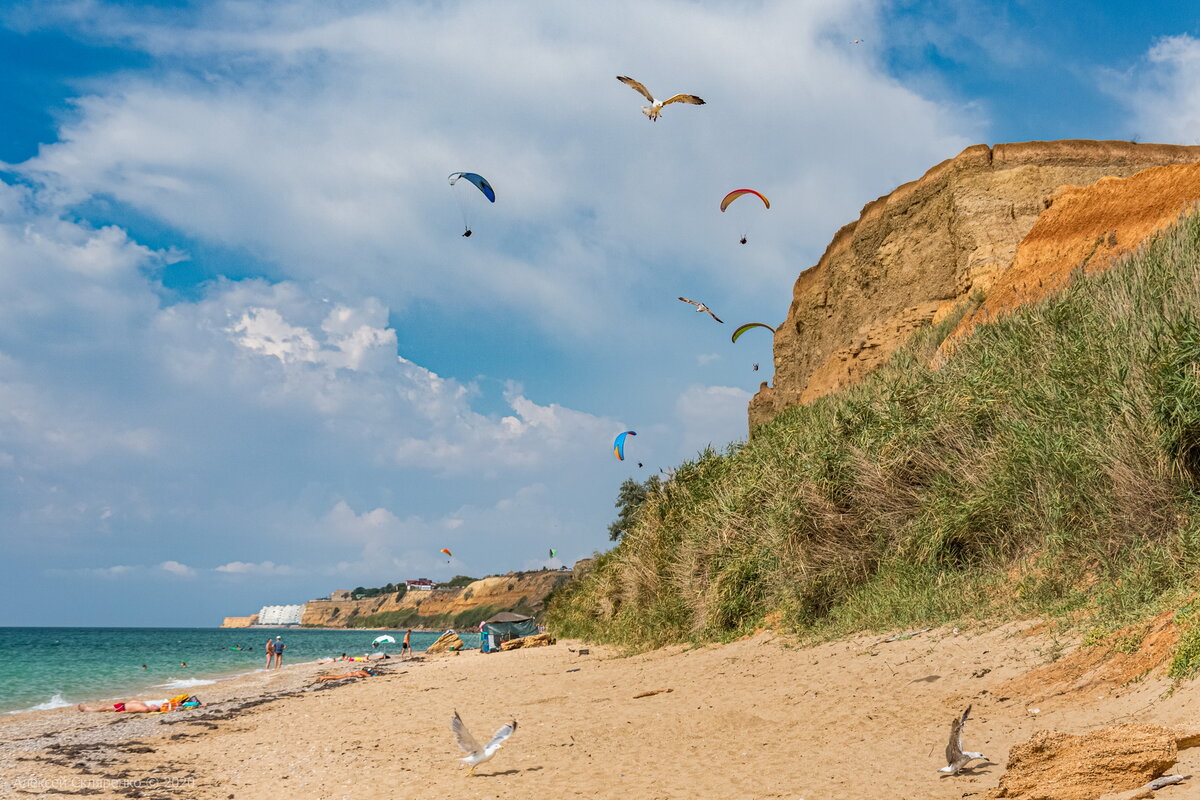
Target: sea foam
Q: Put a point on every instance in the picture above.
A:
(56, 701)
(185, 683)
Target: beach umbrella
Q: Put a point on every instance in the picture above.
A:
(385, 639)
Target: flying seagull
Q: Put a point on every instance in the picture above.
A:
(656, 106)
(857, 41)
(956, 757)
(476, 755)
(703, 309)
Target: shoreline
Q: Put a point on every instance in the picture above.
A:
(761, 717)
(40, 690)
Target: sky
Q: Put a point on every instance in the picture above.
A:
(247, 358)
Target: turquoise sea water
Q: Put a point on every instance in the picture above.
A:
(52, 667)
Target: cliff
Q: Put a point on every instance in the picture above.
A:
(915, 254)
(240, 622)
(524, 590)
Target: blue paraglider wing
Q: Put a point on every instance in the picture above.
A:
(480, 182)
(619, 444)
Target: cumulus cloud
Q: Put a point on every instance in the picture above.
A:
(177, 569)
(178, 143)
(1163, 91)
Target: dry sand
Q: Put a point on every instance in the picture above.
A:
(759, 718)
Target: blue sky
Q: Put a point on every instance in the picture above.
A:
(247, 358)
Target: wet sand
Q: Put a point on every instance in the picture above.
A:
(758, 718)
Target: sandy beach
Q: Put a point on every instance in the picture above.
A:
(758, 718)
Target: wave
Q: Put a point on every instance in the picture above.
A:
(55, 701)
(185, 683)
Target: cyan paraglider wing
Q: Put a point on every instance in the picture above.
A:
(619, 444)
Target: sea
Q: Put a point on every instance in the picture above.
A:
(42, 668)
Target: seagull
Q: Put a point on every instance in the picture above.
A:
(857, 41)
(656, 106)
(703, 309)
(476, 755)
(755, 368)
(956, 757)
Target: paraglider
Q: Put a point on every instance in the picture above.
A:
(734, 195)
(656, 106)
(702, 309)
(619, 444)
(481, 183)
(449, 555)
(553, 552)
(743, 328)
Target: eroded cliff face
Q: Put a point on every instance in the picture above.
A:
(526, 589)
(1085, 229)
(915, 254)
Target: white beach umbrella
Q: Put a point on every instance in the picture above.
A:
(385, 639)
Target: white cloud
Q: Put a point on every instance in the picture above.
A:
(1163, 91)
(175, 568)
(262, 156)
(261, 568)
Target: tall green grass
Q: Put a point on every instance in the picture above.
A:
(1048, 466)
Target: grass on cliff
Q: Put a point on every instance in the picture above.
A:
(1049, 466)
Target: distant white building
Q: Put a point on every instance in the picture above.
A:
(420, 585)
(280, 615)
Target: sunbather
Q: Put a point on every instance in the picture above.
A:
(362, 673)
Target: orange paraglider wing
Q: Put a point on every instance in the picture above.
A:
(736, 193)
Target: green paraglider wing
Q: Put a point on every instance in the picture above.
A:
(743, 328)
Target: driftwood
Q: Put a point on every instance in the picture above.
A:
(652, 693)
(899, 637)
(537, 640)
(1148, 790)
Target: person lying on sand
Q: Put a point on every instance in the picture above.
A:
(140, 706)
(362, 673)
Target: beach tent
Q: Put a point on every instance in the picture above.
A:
(505, 626)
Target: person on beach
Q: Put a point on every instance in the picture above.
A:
(362, 673)
(127, 706)
(143, 706)
(279, 648)
(406, 648)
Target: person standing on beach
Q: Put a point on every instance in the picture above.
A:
(279, 648)
(270, 652)
(406, 648)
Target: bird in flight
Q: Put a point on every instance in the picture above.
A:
(656, 106)
(956, 757)
(476, 755)
(703, 309)
(857, 41)
(755, 367)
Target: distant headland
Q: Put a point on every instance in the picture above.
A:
(417, 603)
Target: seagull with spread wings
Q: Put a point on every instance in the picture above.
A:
(656, 106)
(703, 309)
(956, 757)
(476, 755)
